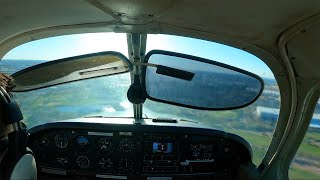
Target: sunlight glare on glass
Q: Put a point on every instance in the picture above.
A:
(126, 104)
(209, 50)
(69, 45)
(97, 42)
(109, 109)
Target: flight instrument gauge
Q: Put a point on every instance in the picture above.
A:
(44, 140)
(61, 141)
(126, 145)
(125, 165)
(104, 144)
(82, 141)
(105, 163)
(83, 162)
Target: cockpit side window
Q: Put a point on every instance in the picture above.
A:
(306, 163)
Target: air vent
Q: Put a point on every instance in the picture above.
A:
(162, 120)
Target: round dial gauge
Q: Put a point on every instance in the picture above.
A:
(104, 144)
(125, 165)
(83, 162)
(126, 145)
(105, 163)
(44, 140)
(61, 141)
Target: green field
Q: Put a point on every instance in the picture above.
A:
(87, 97)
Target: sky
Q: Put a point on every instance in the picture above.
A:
(73, 45)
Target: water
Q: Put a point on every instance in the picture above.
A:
(12, 66)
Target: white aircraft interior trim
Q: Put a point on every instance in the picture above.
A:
(301, 90)
(279, 37)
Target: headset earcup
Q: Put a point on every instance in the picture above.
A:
(25, 168)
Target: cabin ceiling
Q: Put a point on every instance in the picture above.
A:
(257, 22)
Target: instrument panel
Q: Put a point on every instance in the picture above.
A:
(130, 151)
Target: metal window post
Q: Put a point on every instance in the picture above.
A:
(137, 50)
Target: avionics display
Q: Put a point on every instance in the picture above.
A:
(159, 147)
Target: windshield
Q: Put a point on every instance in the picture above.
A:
(107, 96)
(104, 96)
(255, 123)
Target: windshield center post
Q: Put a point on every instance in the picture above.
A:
(137, 49)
